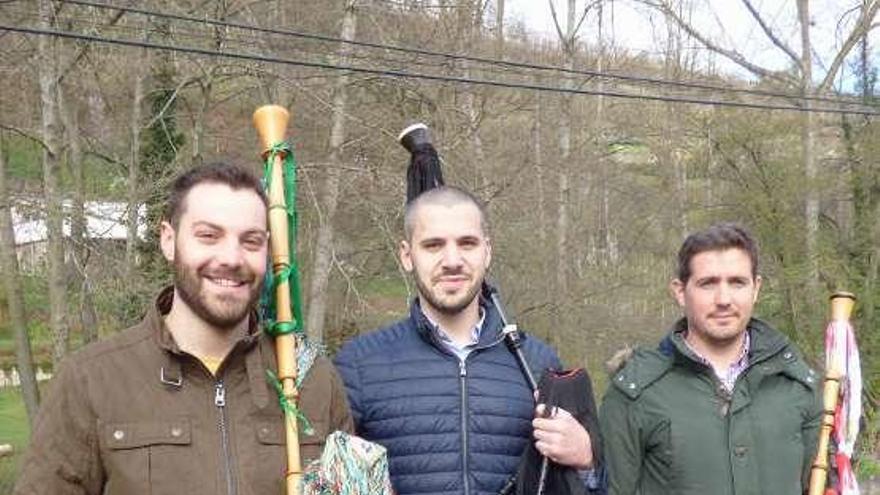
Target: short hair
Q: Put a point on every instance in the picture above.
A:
(446, 196)
(214, 173)
(717, 237)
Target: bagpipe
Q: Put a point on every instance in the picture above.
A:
(570, 390)
(841, 402)
(348, 465)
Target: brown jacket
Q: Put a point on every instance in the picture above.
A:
(134, 415)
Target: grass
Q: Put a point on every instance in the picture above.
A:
(384, 287)
(13, 430)
(13, 419)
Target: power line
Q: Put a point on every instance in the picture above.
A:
(521, 65)
(430, 77)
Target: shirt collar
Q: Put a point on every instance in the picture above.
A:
(727, 377)
(447, 339)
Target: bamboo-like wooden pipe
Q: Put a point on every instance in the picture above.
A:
(841, 310)
(271, 123)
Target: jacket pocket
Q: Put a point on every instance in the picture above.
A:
(148, 457)
(310, 445)
(269, 465)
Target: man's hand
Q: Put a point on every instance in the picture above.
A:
(561, 438)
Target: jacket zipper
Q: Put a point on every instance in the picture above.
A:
(220, 403)
(464, 427)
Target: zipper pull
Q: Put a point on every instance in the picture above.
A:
(462, 371)
(219, 395)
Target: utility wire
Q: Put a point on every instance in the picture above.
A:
(430, 77)
(522, 65)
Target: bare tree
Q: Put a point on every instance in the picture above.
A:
(324, 244)
(803, 81)
(51, 189)
(499, 28)
(134, 196)
(14, 297)
(568, 42)
(80, 245)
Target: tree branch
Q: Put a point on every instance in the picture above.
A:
(732, 55)
(864, 24)
(769, 32)
(556, 23)
(26, 135)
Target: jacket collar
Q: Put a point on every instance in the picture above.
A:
(171, 370)
(765, 342)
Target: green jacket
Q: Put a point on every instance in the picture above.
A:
(670, 428)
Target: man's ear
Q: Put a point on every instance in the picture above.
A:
(676, 287)
(166, 240)
(406, 256)
(757, 288)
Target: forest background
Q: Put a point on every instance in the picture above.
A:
(595, 160)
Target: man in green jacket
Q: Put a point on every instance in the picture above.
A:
(179, 404)
(725, 404)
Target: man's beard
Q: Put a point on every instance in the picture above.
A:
(447, 308)
(225, 312)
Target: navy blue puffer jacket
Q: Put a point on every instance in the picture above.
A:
(449, 427)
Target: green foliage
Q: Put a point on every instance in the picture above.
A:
(161, 145)
(23, 159)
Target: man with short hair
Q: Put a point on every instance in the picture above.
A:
(725, 405)
(439, 389)
(180, 403)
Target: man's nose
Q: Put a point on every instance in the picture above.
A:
(230, 253)
(452, 256)
(723, 295)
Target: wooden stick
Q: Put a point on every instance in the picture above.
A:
(271, 123)
(841, 309)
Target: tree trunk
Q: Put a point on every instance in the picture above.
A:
(14, 299)
(608, 248)
(324, 243)
(51, 190)
(199, 120)
(808, 133)
(539, 168)
(671, 129)
(134, 203)
(568, 46)
(80, 245)
(499, 29)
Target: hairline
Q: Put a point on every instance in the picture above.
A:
(184, 200)
(448, 196)
(717, 237)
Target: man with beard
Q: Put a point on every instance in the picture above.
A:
(180, 402)
(725, 405)
(439, 389)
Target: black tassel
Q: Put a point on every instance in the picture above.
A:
(572, 391)
(424, 170)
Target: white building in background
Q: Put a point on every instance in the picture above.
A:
(105, 227)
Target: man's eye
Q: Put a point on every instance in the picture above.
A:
(254, 242)
(207, 236)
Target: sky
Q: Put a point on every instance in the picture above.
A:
(727, 22)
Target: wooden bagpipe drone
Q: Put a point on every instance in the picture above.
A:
(348, 465)
(841, 402)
